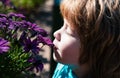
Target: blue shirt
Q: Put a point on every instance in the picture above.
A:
(63, 71)
(57, 2)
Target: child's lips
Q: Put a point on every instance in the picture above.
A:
(56, 52)
(55, 48)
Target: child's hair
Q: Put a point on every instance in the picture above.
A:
(98, 25)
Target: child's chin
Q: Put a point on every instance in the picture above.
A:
(56, 57)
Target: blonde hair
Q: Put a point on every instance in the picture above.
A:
(98, 25)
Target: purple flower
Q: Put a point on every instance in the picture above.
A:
(34, 27)
(16, 15)
(25, 24)
(6, 2)
(36, 63)
(45, 40)
(40, 31)
(3, 15)
(13, 24)
(24, 37)
(3, 22)
(4, 45)
(31, 45)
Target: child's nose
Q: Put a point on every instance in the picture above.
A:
(57, 35)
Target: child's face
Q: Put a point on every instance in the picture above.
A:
(67, 45)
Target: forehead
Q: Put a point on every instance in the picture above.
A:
(70, 11)
(69, 24)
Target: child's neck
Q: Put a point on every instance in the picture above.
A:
(82, 71)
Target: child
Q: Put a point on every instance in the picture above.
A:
(88, 43)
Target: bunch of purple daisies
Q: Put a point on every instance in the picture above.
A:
(20, 44)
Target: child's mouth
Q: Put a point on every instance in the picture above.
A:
(55, 48)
